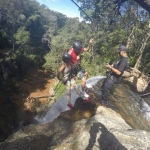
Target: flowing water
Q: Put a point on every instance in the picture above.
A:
(61, 104)
(132, 108)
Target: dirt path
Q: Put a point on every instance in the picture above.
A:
(39, 84)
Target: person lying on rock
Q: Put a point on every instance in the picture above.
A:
(115, 75)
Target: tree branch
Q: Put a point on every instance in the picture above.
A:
(143, 3)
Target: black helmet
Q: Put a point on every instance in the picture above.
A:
(66, 58)
(77, 46)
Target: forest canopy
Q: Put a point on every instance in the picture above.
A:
(33, 36)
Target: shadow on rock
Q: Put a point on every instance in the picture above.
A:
(106, 140)
(82, 104)
(81, 110)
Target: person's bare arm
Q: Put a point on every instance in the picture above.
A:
(113, 69)
(60, 70)
(83, 83)
(87, 48)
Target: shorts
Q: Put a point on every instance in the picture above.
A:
(70, 84)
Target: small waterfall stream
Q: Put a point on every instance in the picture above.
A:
(132, 108)
(61, 104)
(145, 109)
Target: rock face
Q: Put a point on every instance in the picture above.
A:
(123, 125)
(129, 105)
(136, 81)
(8, 119)
(104, 131)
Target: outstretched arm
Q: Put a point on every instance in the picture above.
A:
(84, 81)
(89, 45)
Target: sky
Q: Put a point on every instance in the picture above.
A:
(66, 7)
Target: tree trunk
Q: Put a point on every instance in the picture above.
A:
(130, 38)
(137, 65)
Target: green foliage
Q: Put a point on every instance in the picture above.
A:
(33, 35)
(93, 65)
(22, 28)
(60, 90)
(53, 59)
(22, 36)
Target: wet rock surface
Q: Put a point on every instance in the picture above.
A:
(132, 108)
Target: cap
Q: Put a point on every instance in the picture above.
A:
(121, 48)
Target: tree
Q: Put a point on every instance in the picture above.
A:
(143, 3)
(22, 38)
(141, 50)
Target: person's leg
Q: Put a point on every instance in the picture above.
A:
(68, 92)
(74, 85)
(81, 93)
(84, 81)
(106, 87)
(83, 84)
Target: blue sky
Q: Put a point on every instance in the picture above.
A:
(66, 7)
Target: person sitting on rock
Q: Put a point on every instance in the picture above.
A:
(115, 75)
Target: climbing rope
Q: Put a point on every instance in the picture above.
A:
(82, 11)
(57, 87)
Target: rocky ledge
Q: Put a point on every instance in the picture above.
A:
(98, 128)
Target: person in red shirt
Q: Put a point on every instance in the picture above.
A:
(77, 49)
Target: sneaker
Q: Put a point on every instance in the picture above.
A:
(70, 106)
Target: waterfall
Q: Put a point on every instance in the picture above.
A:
(132, 108)
(61, 104)
(145, 109)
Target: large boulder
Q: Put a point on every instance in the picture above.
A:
(75, 130)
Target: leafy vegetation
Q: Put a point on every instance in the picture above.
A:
(33, 36)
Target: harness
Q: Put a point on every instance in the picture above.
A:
(77, 71)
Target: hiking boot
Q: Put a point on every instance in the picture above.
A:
(70, 106)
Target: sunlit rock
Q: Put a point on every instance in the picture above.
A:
(104, 131)
(121, 125)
